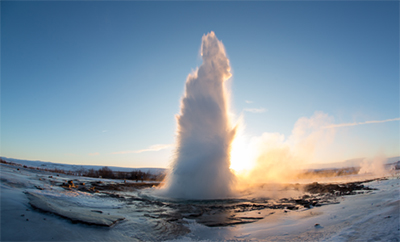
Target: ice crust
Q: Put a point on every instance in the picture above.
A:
(71, 211)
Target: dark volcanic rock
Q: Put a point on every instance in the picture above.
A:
(337, 189)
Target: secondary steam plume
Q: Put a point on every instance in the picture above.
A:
(200, 169)
(278, 159)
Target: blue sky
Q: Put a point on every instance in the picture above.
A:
(100, 82)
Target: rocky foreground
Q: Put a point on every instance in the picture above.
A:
(212, 213)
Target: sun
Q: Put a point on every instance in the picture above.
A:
(241, 157)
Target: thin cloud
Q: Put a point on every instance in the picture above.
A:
(93, 154)
(247, 101)
(151, 148)
(361, 123)
(255, 110)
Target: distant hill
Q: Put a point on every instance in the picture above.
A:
(67, 167)
(349, 163)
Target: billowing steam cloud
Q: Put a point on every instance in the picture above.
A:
(275, 158)
(200, 169)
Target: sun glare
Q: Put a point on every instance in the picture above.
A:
(241, 155)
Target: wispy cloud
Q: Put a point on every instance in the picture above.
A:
(151, 148)
(247, 101)
(93, 154)
(255, 110)
(104, 131)
(361, 123)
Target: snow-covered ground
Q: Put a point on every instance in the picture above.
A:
(21, 221)
(369, 216)
(366, 217)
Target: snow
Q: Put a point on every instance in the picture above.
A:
(371, 216)
(20, 221)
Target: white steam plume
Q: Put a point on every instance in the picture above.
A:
(200, 169)
(276, 159)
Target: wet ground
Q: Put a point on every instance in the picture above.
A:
(221, 212)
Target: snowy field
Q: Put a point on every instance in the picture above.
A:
(43, 206)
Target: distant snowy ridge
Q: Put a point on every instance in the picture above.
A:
(68, 167)
(350, 163)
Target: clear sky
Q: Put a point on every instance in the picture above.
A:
(100, 82)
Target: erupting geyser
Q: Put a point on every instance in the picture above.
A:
(200, 169)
